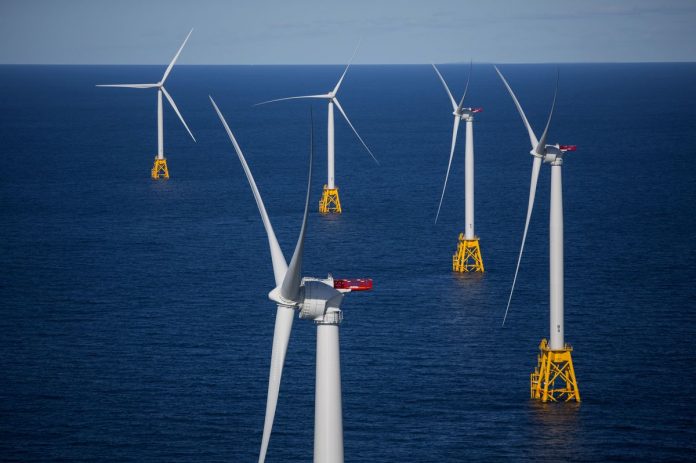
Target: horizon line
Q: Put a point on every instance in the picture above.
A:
(358, 64)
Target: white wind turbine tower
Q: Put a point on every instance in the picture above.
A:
(468, 256)
(330, 202)
(159, 168)
(316, 299)
(555, 361)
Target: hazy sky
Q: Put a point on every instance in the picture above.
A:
(315, 31)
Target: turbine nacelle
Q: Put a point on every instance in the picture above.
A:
(466, 113)
(319, 297)
(554, 153)
(315, 297)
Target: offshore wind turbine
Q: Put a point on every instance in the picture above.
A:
(316, 299)
(555, 362)
(159, 168)
(468, 256)
(330, 202)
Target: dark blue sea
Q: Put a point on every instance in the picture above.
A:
(134, 318)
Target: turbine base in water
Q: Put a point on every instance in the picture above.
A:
(329, 203)
(554, 366)
(468, 256)
(159, 169)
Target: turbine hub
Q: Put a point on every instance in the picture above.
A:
(276, 297)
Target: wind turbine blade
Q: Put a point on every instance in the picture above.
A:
(532, 137)
(532, 193)
(338, 85)
(171, 65)
(454, 103)
(338, 105)
(542, 141)
(176, 110)
(129, 85)
(325, 96)
(466, 89)
(291, 283)
(280, 266)
(281, 338)
(449, 164)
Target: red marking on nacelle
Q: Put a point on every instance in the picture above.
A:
(355, 284)
(476, 110)
(568, 147)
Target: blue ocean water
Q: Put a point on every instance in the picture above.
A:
(134, 319)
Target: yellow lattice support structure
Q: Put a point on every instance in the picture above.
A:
(329, 202)
(554, 366)
(468, 256)
(159, 169)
